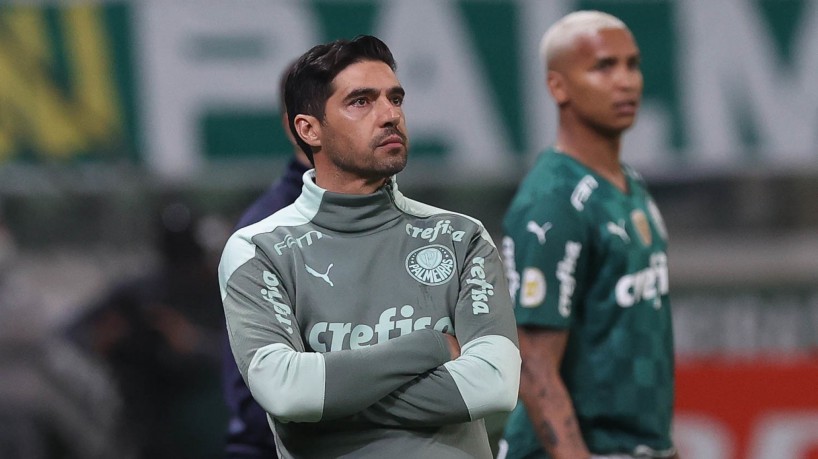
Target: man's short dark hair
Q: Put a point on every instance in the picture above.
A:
(309, 82)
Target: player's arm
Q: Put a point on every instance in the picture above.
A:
(544, 395)
(546, 250)
(290, 383)
(485, 377)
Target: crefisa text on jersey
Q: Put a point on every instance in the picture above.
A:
(483, 289)
(272, 294)
(340, 335)
(430, 234)
(565, 274)
(649, 284)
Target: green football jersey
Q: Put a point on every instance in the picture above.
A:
(584, 256)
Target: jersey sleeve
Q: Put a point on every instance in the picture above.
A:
(290, 383)
(546, 251)
(485, 378)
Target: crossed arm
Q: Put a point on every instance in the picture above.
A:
(416, 379)
(422, 378)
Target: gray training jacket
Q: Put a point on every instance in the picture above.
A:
(335, 307)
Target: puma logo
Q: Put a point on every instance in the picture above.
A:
(619, 230)
(324, 276)
(539, 230)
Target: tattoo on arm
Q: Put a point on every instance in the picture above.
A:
(545, 396)
(572, 427)
(547, 433)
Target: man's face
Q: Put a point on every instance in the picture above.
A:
(363, 133)
(603, 80)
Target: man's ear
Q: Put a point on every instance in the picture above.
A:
(556, 86)
(309, 129)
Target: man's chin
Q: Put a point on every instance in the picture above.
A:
(393, 169)
(395, 162)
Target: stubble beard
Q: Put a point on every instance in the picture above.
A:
(396, 158)
(375, 164)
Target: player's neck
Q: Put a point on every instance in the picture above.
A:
(598, 152)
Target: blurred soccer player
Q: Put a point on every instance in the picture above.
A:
(586, 258)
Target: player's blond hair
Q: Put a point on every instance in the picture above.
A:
(563, 32)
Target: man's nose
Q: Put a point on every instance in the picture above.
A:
(628, 78)
(390, 113)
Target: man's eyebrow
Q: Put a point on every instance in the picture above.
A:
(361, 92)
(607, 59)
(610, 59)
(373, 92)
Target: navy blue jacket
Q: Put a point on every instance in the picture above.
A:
(248, 434)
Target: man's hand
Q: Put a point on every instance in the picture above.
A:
(454, 346)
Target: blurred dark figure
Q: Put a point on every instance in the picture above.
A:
(55, 402)
(160, 336)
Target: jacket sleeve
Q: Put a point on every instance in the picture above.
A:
(485, 378)
(290, 383)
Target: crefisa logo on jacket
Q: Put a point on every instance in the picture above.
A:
(431, 265)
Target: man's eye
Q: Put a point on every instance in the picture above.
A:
(397, 100)
(359, 102)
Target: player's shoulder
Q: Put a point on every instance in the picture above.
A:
(633, 174)
(554, 174)
(553, 182)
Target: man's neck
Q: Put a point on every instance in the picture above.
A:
(338, 182)
(597, 151)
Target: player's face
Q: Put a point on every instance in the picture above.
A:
(364, 131)
(603, 80)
